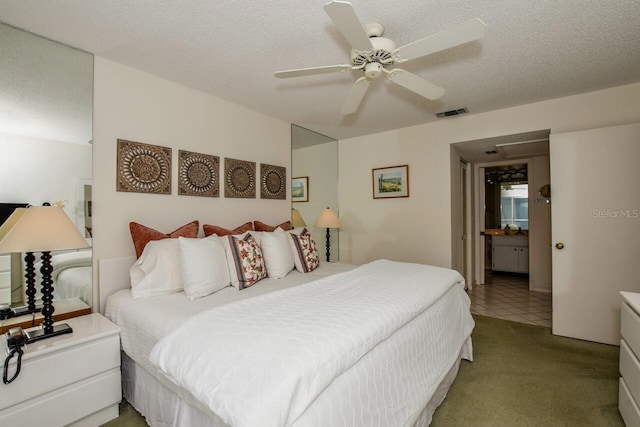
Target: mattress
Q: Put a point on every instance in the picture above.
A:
(145, 321)
(446, 326)
(76, 282)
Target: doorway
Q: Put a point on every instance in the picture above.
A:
(510, 240)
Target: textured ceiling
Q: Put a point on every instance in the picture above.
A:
(533, 50)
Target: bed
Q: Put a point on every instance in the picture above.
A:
(72, 276)
(378, 344)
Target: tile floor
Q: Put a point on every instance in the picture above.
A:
(507, 296)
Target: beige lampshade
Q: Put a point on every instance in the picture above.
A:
(11, 221)
(40, 229)
(296, 218)
(328, 219)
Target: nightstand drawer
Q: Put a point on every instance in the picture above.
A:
(68, 404)
(43, 373)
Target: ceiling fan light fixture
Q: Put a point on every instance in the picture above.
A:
(372, 54)
(373, 70)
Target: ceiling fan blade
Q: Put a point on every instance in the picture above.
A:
(311, 71)
(356, 94)
(345, 18)
(453, 36)
(415, 84)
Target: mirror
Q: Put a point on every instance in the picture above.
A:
(46, 113)
(507, 198)
(315, 157)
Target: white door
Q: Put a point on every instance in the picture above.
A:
(595, 216)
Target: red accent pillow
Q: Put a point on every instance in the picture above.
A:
(142, 235)
(221, 231)
(261, 226)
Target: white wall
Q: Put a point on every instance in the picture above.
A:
(419, 228)
(320, 163)
(36, 171)
(133, 105)
(539, 226)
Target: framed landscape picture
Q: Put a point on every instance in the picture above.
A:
(391, 182)
(300, 189)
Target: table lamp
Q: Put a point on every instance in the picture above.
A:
(29, 262)
(296, 218)
(44, 229)
(328, 219)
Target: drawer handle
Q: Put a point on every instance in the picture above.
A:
(560, 245)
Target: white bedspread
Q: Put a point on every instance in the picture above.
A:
(265, 360)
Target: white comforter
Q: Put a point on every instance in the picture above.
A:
(265, 360)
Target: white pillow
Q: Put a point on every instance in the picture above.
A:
(203, 265)
(277, 254)
(157, 271)
(256, 235)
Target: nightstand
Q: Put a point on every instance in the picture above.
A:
(70, 379)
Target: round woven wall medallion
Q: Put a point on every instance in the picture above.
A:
(240, 179)
(273, 182)
(198, 174)
(143, 168)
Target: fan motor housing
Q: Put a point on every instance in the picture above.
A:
(381, 54)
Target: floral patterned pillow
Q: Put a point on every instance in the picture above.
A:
(305, 252)
(246, 264)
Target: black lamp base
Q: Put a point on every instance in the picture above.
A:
(40, 334)
(22, 310)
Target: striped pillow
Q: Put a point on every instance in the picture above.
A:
(305, 252)
(245, 260)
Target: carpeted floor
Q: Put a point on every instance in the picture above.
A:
(521, 376)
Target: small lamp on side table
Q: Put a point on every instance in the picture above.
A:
(328, 219)
(44, 229)
(29, 262)
(296, 218)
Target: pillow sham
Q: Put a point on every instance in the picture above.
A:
(305, 251)
(203, 264)
(221, 231)
(277, 254)
(244, 257)
(142, 235)
(157, 271)
(261, 226)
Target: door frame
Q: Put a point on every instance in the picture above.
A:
(477, 232)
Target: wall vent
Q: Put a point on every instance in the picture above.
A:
(452, 113)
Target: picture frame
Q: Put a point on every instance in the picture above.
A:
(300, 189)
(390, 182)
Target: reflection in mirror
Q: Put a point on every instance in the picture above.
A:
(507, 198)
(315, 156)
(45, 141)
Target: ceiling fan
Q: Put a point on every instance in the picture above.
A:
(373, 54)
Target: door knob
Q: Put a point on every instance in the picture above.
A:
(560, 245)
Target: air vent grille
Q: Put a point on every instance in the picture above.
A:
(452, 113)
